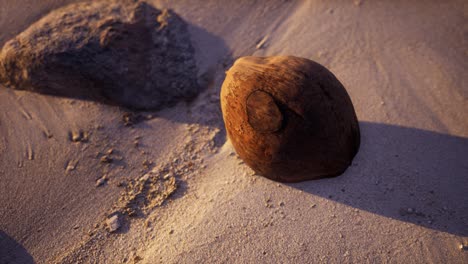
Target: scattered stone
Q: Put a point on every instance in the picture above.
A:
(145, 177)
(76, 135)
(262, 42)
(119, 52)
(463, 247)
(47, 134)
(130, 118)
(289, 118)
(147, 164)
(110, 151)
(113, 223)
(171, 232)
(101, 181)
(71, 166)
(106, 159)
(30, 153)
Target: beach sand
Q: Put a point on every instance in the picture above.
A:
(403, 200)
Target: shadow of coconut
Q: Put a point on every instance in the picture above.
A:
(407, 174)
(12, 251)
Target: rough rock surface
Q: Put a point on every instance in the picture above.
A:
(119, 52)
(289, 118)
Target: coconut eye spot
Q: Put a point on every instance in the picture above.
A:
(263, 113)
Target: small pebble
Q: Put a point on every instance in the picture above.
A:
(262, 42)
(113, 223)
(144, 177)
(76, 136)
(147, 163)
(70, 167)
(101, 181)
(106, 159)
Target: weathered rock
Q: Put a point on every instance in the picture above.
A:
(289, 118)
(119, 52)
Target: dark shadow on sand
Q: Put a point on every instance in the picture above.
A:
(407, 174)
(12, 252)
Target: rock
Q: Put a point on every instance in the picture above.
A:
(119, 52)
(106, 159)
(289, 118)
(101, 181)
(77, 136)
(113, 223)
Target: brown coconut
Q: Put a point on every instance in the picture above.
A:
(289, 118)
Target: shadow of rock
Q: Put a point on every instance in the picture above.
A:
(11, 252)
(407, 174)
(213, 59)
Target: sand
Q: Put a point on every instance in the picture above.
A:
(402, 201)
